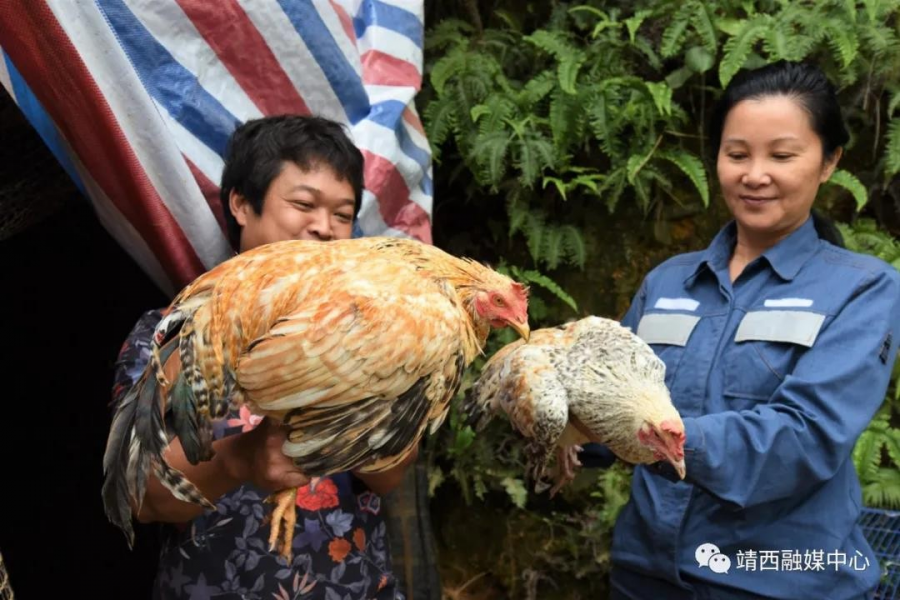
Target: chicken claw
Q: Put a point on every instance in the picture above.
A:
(284, 519)
(567, 463)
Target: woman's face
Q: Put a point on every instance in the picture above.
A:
(770, 166)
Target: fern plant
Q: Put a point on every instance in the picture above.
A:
(877, 453)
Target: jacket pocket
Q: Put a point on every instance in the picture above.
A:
(766, 347)
(667, 335)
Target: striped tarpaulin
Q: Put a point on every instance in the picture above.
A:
(137, 99)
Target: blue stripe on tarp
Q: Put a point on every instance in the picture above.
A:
(175, 88)
(341, 75)
(390, 114)
(34, 111)
(375, 12)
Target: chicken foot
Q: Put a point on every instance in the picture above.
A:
(283, 521)
(566, 464)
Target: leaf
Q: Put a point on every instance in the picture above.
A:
(635, 162)
(633, 23)
(679, 77)
(699, 59)
(894, 102)
(691, 166)
(662, 96)
(738, 48)
(330, 593)
(490, 151)
(251, 526)
(703, 25)
(552, 251)
(867, 454)
(892, 445)
(849, 182)
(546, 283)
(435, 479)
(673, 36)
(574, 244)
(843, 41)
(535, 154)
(558, 183)
(729, 26)
(448, 68)
(479, 111)
(892, 150)
(281, 594)
(516, 490)
(568, 72)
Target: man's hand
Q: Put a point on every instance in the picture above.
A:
(257, 458)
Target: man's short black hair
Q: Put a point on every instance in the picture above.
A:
(258, 149)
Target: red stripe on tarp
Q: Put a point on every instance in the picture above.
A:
(346, 21)
(244, 52)
(413, 119)
(50, 64)
(379, 68)
(397, 210)
(210, 191)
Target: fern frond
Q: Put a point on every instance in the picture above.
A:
(662, 96)
(849, 182)
(892, 150)
(691, 166)
(673, 36)
(614, 184)
(552, 251)
(704, 27)
(739, 46)
(567, 118)
(867, 454)
(538, 87)
(842, 40)
(534, 154)
(646, 49)
(573, 241)
(634, 22)
(439, 120)
(449, 67)
(884, 489)
(447, 33)
(489, 151)
(545, 282)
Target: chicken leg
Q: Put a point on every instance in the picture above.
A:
(283, 521)
(566, 464)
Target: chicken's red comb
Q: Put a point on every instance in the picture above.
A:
(676, 430)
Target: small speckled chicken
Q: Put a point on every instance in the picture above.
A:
(588, 380)
(357, 346)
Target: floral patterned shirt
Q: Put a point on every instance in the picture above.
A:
(340, 544)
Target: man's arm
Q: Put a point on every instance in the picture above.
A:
(387, 481)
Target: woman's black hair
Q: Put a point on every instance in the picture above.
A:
(812, 90)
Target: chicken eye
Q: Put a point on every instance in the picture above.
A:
(499, 301)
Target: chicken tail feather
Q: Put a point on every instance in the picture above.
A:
(137, 440)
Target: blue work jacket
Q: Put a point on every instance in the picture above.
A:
(775, 375)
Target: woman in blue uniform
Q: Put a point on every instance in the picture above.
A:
(778, 347)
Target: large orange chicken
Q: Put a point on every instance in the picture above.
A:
(357, 346)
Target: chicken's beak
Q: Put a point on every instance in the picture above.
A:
(679, 467)
(522, 329)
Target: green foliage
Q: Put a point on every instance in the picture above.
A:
(573, 137)
(877, 452)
